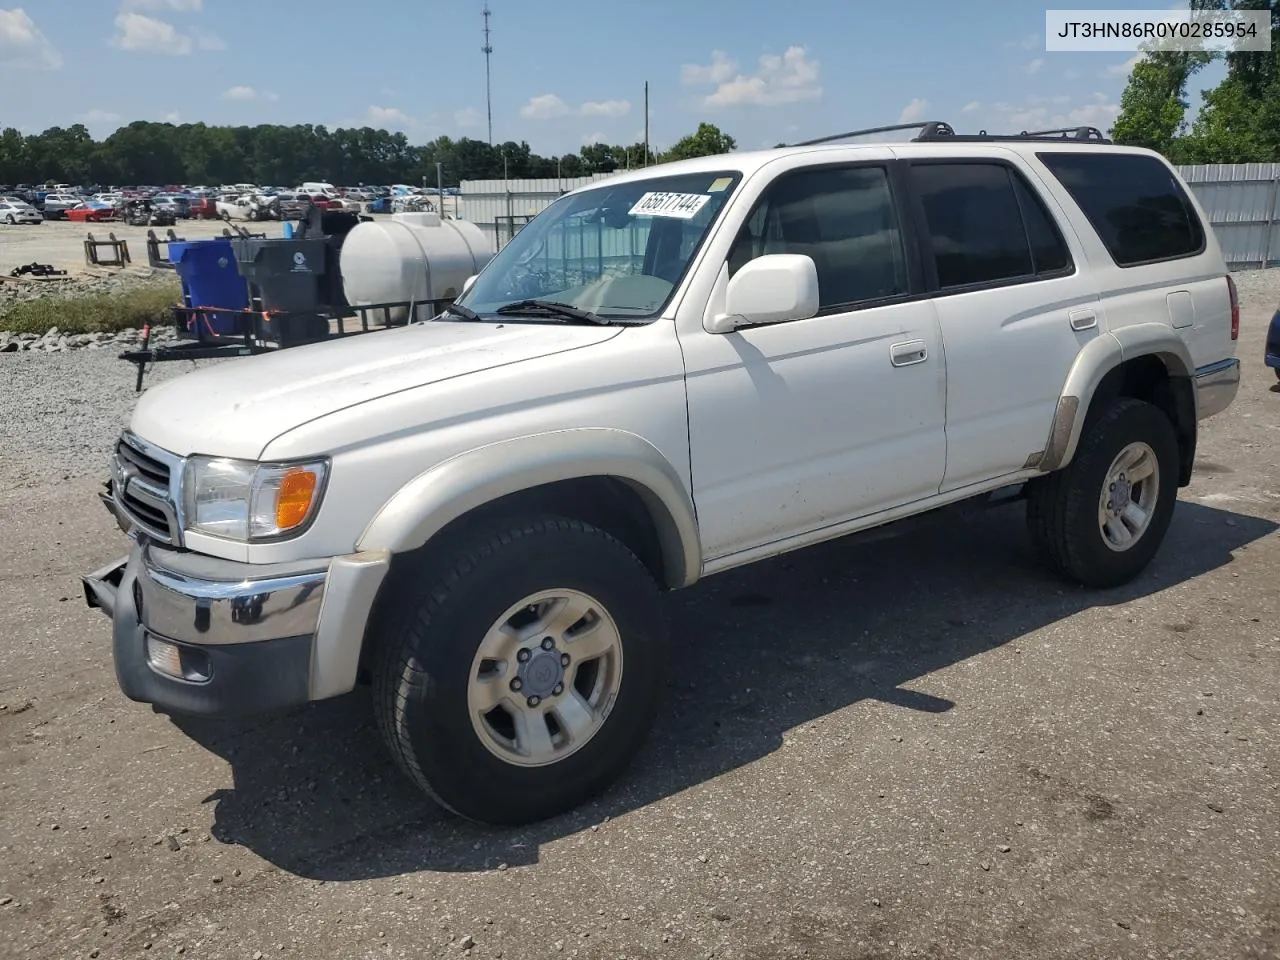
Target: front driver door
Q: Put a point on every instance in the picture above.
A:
(801, 425)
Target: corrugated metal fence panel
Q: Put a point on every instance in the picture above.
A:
(529, 185)
(1242, 201)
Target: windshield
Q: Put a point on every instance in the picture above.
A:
(614, 250)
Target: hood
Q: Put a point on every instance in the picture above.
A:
(234, 409)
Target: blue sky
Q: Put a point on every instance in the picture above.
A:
(564, 71)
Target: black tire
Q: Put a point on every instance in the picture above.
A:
(1063, 508)
(11, 221)
(430, 635)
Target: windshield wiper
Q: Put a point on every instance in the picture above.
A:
(550, 308)
(466, 313)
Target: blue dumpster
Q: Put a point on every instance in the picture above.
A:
(210, 278)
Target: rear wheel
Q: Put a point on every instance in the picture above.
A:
(1101, 519)
(523, 673)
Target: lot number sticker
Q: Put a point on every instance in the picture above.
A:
(684, 206)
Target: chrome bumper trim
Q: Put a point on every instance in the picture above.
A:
(1216, 385)
(183, 608)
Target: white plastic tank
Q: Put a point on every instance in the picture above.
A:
(416, 257)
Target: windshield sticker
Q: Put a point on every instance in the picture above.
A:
(684, 206)
(719, 185)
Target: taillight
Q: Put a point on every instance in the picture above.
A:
(1235, 308)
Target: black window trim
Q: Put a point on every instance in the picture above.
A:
(916, 289)
(925, 239)
(1185, 200)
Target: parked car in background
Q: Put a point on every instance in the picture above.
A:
(180, 207)
(93, 211)
(56, 205)
(1273, 343)
(14, 211)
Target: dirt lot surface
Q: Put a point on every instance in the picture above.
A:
(61, 242)
(921, 747)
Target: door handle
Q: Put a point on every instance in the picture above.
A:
(909, 352)
(1082, 319)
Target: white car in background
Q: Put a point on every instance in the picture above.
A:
(14, 211)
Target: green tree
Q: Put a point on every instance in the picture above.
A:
(707, 141)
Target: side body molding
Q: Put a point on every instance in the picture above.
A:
(1098, 358)
(432, 500)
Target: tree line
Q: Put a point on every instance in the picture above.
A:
(143, 153)
(1239, 120)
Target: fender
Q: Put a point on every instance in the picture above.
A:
(1098, 358)
(447, 491)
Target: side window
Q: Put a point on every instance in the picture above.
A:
(975, 225)
(1048, 250)
(844, 218)
(1139, 210)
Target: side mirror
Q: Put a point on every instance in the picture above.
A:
(774, 288)
(466, 284)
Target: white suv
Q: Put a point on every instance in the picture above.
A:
(667, 374)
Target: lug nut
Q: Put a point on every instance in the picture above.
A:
(523, 656)
(547, 643)
(534, 701)
(516, 683)
(557, 689)
(564, 659)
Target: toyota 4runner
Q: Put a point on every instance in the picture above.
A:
(667, 374)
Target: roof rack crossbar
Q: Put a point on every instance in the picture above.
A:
(1073, 133)
(931, 128)
(935, 130)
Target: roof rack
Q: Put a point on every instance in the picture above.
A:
(932, 131)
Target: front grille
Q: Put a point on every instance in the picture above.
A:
(143, 489)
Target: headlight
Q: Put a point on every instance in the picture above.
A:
(243, 500)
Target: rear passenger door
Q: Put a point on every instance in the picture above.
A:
(1013, 304)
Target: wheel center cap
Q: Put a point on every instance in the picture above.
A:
(540, 673)
(1122, 494)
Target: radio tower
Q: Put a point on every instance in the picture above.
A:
(487, 50)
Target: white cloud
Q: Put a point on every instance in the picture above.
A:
(387, 117)
(1033, 66)
(1099, 112)
(717, 72)
(971, 106)
(591, 138)
(468, 117)
(173, 116)
(98, 117)
(1122, 69)
(142, 34)
(605, 108)
(790, 77)
(913, 111)
(180, 6)
(23, 45)
(1029, 42)
(240, 93)
(548, 106)
(1071, 74)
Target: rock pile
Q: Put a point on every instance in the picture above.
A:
(56, 342)
(85, 284)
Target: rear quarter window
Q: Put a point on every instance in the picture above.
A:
(1134, 203)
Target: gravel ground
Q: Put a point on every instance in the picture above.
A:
(921, 747)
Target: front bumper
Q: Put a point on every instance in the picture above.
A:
(245, 638)
(1216, 386)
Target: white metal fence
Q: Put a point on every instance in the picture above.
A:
(1242, 204)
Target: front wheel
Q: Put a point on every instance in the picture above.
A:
(522, 672)
(11, 221)
(1101, 519)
